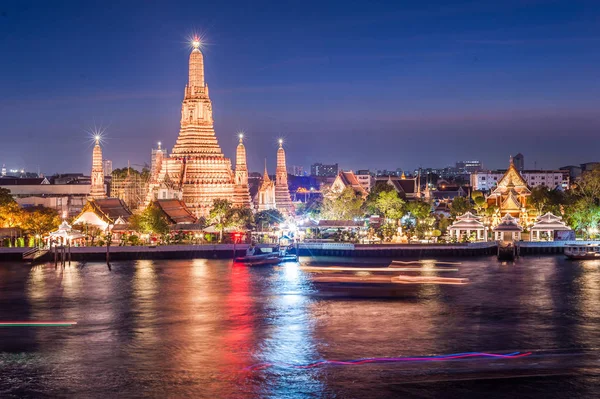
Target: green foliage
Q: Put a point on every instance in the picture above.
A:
(390, 205)
(582, 204)
(11, 214)
(459, 206)
(419, 209)
(5, 197)
(370, 202)
(443, 223)
(40, 220)
(151, 221)
(544, 200)
(477, 194)
(268, 218)
(224, 215)
(343, 206)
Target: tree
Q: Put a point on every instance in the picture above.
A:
(460, 205)
(344, 206)
(268, 218)
(370, 202)
(6, 197)
(419, 209)
(479, 200)
(242, 218)
(390, 205)
(40, 220)
(545, 200)
(152, 220)
(220, 215)
(11, 214)
(583, 203)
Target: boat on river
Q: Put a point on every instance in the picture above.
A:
(582, 251)
(271, 258)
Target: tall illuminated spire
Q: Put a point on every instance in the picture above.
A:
(97, 189)
(241, 169)
(282, 192)
(266, 174)
(196, 75)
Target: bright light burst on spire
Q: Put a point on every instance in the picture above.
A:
(96, 134)
(196, 41)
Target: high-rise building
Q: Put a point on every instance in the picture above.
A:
(107, 167)
(321, 170)
(519, 162)
(468, 167)
(295, 170)
(97, 189)
(196, 166)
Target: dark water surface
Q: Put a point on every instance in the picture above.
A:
(189, 328)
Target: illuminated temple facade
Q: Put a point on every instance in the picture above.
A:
(510, 196)
(196, 170)
(97, 189)
(276, 195)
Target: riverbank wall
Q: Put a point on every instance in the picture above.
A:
(226, 251)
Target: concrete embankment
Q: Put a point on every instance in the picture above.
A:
(225, 251)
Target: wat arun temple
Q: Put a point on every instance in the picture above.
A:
(196, 171)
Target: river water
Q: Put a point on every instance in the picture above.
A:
(192, 328)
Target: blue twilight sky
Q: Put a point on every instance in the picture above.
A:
(367, 84)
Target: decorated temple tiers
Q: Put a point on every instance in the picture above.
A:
(197, 166)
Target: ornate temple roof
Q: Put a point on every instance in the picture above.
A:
(403, 185)
(467, 221)
(512, 179)
(549, 221)
(508, 223)
(109, 210)
(349, 179)
(511, 202)
(176, 211)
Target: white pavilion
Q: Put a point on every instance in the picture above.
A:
(65, 234)
(508, 229)
(467, 224)
(544, 227)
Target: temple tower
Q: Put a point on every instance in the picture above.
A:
(282, 192)
(241, 190)
(265, 198)
(197, 166)
(97, 189)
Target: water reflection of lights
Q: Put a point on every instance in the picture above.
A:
(291, 339)
(358, 362)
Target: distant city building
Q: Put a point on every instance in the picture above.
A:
(589, 166)
(468, 166)
(321, 170)
(488, 180)
(386, 173)
(295, 170)
(573, 170)
(64, 198)
(365, 179)
(519, 162)
(107, 166)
